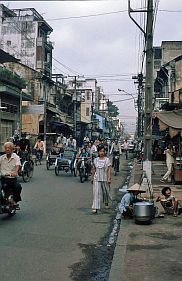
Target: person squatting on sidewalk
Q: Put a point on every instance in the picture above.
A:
(169, 202)
(101, 174)
(127, 201)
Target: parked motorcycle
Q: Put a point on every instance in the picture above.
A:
(6, 196)
(83, 170)
(116, 162)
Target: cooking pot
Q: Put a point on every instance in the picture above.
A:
(144, 211)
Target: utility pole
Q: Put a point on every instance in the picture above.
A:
(75, 104)
(45, 116)
(148, 34)
(148, 91)
(75, 109)
(92, 115)
(139, 80)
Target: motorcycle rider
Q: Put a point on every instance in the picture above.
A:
(9, 166)
(115, 150)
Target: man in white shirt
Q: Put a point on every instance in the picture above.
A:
(9, 166)
(71, 142)
(61, 140)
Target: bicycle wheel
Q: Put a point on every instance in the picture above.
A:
(56, 170)
(82, 175)
(31, 168)
(75, 172)
(47, 164)
(25, 172)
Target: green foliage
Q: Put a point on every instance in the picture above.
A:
(12, 78)
(113, 110)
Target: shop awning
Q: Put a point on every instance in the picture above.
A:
(6, 57)
(171, 120)
(61, 124)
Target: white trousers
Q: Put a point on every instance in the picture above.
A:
(169, 171)
(100, 188)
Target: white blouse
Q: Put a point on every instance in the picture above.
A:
(101, 166)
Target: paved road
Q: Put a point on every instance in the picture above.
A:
(42, 241)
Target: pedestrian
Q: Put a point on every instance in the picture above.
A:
(169, 162)
(101, 180)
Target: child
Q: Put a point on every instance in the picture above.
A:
(169, 202)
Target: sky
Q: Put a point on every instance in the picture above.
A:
(107, 47)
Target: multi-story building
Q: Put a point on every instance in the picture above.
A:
(166, 64)
(11, 97)
(25, 34)
(51, 106)
(85, 90)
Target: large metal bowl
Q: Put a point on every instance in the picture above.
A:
(144, 212)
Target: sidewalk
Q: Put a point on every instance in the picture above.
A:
(149, 252)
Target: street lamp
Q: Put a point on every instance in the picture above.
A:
(129, 94)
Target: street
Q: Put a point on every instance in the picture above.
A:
(45, 239)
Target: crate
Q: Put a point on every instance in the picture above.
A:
(178, 175)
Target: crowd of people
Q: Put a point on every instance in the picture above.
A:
(97, 160)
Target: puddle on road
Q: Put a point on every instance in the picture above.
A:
(96, 264)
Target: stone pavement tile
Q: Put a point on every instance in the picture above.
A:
(148, 252)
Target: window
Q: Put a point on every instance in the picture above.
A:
(8, 43)
(88, 95)
(87, 111)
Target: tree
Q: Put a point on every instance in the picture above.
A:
(113, 110)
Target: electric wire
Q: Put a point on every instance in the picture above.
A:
(88, 16)
(107, 13)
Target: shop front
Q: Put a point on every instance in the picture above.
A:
(172, 122)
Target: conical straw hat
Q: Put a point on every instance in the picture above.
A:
(136, 187)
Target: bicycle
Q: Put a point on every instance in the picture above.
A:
(38, 156)
(26, 169)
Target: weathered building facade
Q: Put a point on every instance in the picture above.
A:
(25, 34)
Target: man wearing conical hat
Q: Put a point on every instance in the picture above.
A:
(127, 201)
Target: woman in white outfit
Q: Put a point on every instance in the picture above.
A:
(169, 162)
(101, 180)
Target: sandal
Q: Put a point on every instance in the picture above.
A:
(161, 180)
(175, 215)
(94, 211)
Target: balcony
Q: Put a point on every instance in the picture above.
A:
(44, 43)
(11, 78)
(49, 45)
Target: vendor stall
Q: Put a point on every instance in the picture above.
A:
(172, 120)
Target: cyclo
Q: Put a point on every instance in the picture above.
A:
(66, 161)
(53, 154)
